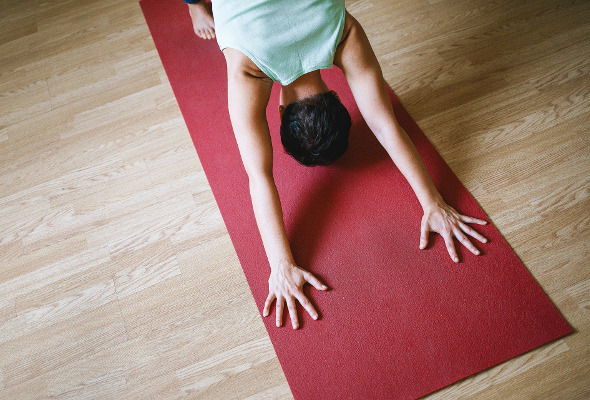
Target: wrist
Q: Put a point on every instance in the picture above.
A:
(282, 263)
(431, 202)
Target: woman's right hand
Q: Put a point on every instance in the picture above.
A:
(285, 285)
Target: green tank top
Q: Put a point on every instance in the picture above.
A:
(284, 38)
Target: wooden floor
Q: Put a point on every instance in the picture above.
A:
(117, 277)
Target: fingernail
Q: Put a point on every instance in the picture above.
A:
(456, 259)
(295, 326)
(485, 240)
(477, 252)
(315, 316)
(324, 287)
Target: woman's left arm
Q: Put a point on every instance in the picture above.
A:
(362, 71)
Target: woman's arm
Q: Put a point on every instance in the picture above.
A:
(248, 95)
(360, 66)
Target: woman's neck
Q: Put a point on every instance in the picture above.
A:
(305, 86)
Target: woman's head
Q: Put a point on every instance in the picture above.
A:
(315, 130)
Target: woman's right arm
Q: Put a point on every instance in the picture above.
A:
(248, 95)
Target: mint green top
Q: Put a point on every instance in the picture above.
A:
(284, 38)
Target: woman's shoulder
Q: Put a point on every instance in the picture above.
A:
(238, 62)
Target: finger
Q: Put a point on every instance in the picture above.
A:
(450, 245)
(307, 305)
(271, 297)
(424, 231)
(313, 281)
(472, 220)
(279, 310)
(473, 233)
(292, 312)
(466, 242)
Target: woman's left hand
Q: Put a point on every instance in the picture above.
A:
(443, 219)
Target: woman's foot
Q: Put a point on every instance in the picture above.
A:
(202, 17)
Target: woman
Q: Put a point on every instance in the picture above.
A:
(289, 42)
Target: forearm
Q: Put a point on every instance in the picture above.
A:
(269, 218)
(382, 121)
(405, 156)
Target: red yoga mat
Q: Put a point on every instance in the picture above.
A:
(398, 322)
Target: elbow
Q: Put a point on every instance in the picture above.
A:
(258, 175)
(381, 129)
(384, 126)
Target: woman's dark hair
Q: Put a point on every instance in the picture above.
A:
(315, 130)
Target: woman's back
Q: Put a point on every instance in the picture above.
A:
(284, 38)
